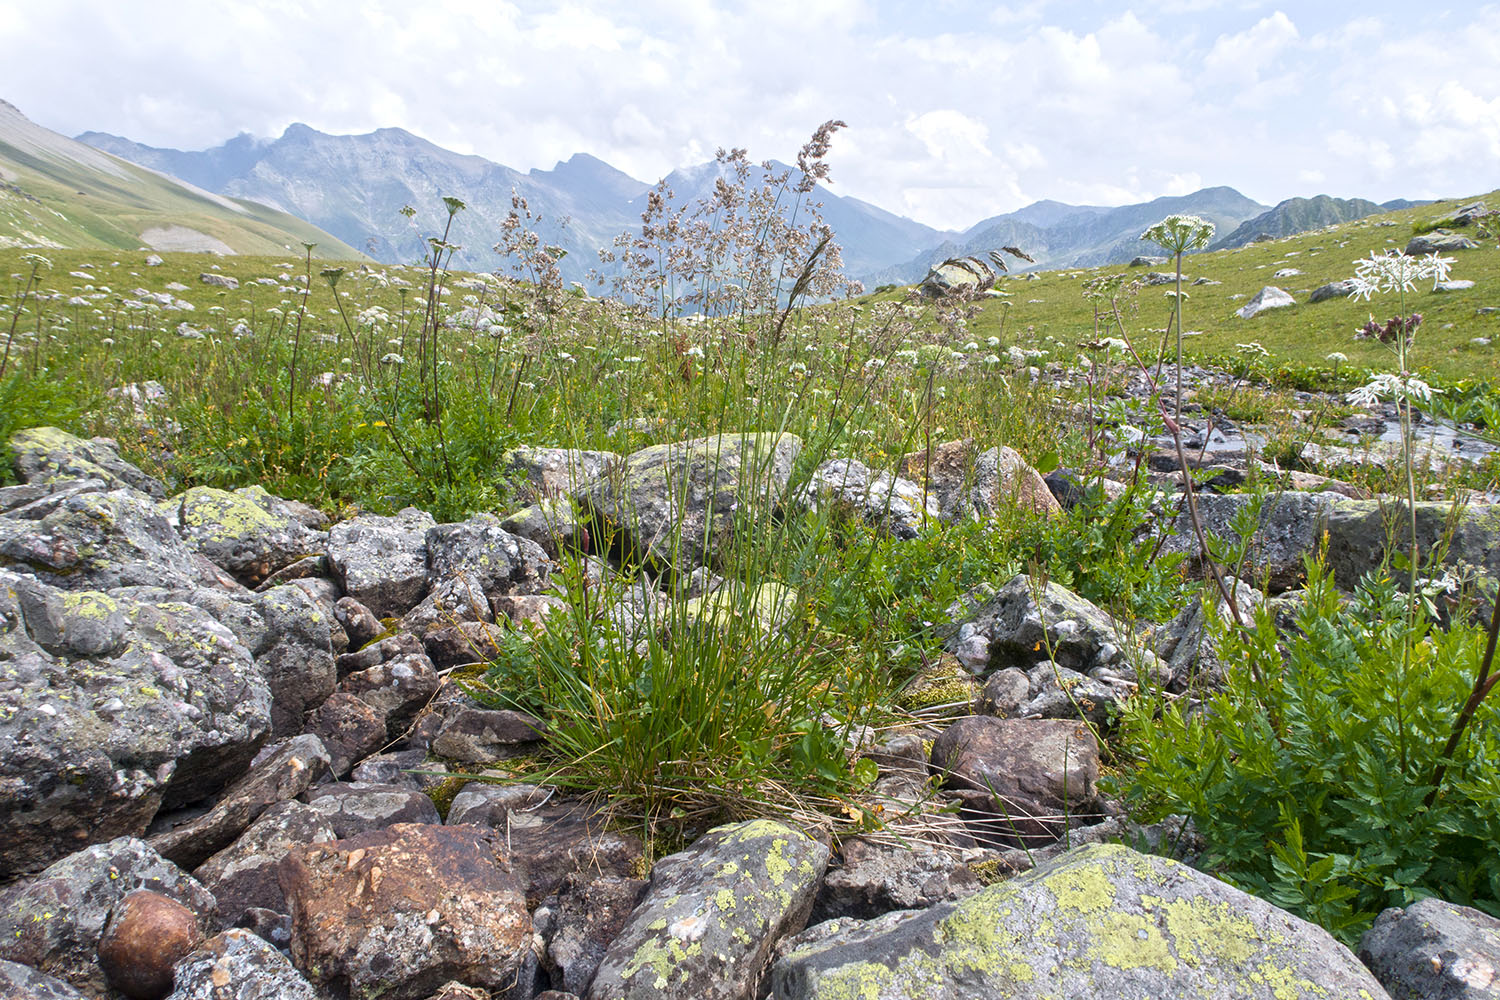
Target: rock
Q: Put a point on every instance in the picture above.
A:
(382, 561)
(358, 808)
(243, 876)
(1286, 272)
(396, 689)
(1005, 691)
(281, 773)
(1456, 285)
(1269, 297)
(308, 568)
(111, 709)
(349, 729)
(958, 276)
(1333, 290)
(557, 472)
(578, 923)
(457, 599)
(978, 484)
(1189, 644)
(677, 503)
(1025, 781)
(873, 877)
(1153, 278)
(387, 649)
(21, 982)
(294, 651)
(712, 914)
(1101, 921)
(1469, 214)
(239, 965)
(552, 524)
(219, 280)
(34, 501)
(502, 563)
(249, 533)
(54, 922)
(396, 768)
(466, 642)
(153, 260)
(1289, 526)
(146, 935)
(396, 913)
(481, 735)
(43, 454)
(359, 622)
(899, 506)
(1435, 949)
(1438, 241)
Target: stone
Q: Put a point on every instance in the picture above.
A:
(457, 599)
(1455, 285)
(146, 935)
(970, 483)
(527, 609)
(677, 504)
(382, 561)
(396, 689)
(294, 650)
(1435, 949)
(899, 507)
(481, 735)
(358, 808)
(1469, 214)
(1333, 290)
(503, 564)
(34, 501)
(1286, 272)
(1288, 526)
(1004, 692)
(958, 276)
(219, 280)
(280, 773)
(359, 622)
(239, 965)
(248, 532)
(553, 524)
(1024, 781)
(1189, 643)
(557, 472)
(375, 653)
(396, 913)
(1100, 921)
(1269, 297)
(21, 982)
(349, 729)
(43, 454)
(243, 876)
(110, 710)
(54, 922)
(712, 914)
(874, 877)
(1438, 241)
(578, 923)
(464, 643)
(1146, 260)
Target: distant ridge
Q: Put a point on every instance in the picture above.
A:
(1298, 215)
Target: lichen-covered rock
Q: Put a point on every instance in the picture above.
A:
(146, 935)
(396, 913)
(713, 913)
(349, 728)
(969, 483)
(1101, 921)
(1433, 949)
(899, 506)
(279, 774)
(111, 708)
(466, 642)
(451, 601)
(557, 472)
(47, 453)
(578, 923)
(874, 877)
(54, 922)
(552, 524)
(355, 808)
(396, 689)
(677, 503)
(22, 982)
(238, 965)
(34, 501)
(98, 541)
(359, 622)
(295, 653)
(1438, 241)
(1358, 531)
(243, 876)
(382, 561)
(480, 735)
(1025, 780)
(248, 532)
(1289, 527)
(479, 549)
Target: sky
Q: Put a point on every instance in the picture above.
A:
(956, 111)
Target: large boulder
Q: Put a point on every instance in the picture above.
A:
(240, 965)
(382, 561)
(1435, 949)
(110, 709)
(1287, 528)
(970, 483)
(48, 453)
(1101, 921)
(556, 472)
(712, 915)
(1358, 531)
(678, 504)
(1438, 241)
(959, 276)
(503, 564)
(898, 506)
(248, 532)
(244, 874)
(1269, 297)
(396, 913)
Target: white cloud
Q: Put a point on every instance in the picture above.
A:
(1242, 58)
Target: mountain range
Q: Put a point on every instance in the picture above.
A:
(354, 187)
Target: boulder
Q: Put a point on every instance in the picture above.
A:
(349, 728)
(712, 915)
(355, 808)
(359, 622)
(958, 276)
(1101, 921)
(1333, 290)
(454, 600)
(482, 735)
(556, 472)
(54, 922)
(240, 965)
(219, 280)
(1024, 781)
(969, 483)
(1269, 297)
(382, 561)
(678, 504)
(396, 913)
(243, 875)
(146, 935)
(1146, 260)
(1288, 526)
(1357, 535)
(1438, 241)
(294, 650)
(110, 709)
(479, 549)
(21, 982)
(43, 454)
(1435, 949)
(898, 506)
(396, 689)
(872, 877)
(578, 923)
(248, 532)
(552, 524)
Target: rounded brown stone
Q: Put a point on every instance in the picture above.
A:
(147, 934)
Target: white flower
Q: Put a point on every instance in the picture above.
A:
(1397, 272)
(632, 360)
(1252, 350)
(1338, 357)
(1390, 386)
(1016, 355)
(992, 342)
(874, 364)
(694, 352)
(392, 359)
(1180, 233)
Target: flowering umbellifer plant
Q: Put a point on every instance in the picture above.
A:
(1177, 234)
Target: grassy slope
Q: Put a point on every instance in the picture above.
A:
(56, 202)
(1301, 335)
